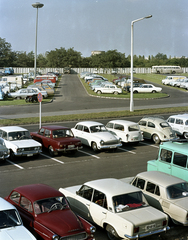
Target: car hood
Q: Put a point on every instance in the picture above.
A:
(61, 222)
(105, 136)
(136, 215)
(16, 233)
(26, 143)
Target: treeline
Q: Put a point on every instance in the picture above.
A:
(60, 58)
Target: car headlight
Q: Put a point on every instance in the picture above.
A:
(55, 237)
(102, 142)
(20, 149)
(92, 229)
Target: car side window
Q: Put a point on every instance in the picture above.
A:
(86, 129)
(41, 131)
(153, 188)
(47, 133)
(99, 198)
(180, 160)
(15, 196)
(166, 155)
(150, 124)
(119, 127)
(79, 127)
(4, 135)
(139, 182)
(26, 204)
(171, 120)
(142, 123)
(85, 192)
(179, 121)
(186, 122)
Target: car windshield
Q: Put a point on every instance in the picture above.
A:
(50, 204)
(62, 133)
(98, 128)
(9, 218)
(164, 124)
(179, 190)
(20, 135)
(133, 128)
(129, 201)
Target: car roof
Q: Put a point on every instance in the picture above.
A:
(55, 127)
(4, 205)
(111, 186)
(123, 122)
(36, 192)
(176, 146)
(13, 128)
(161, 178)
(89, 123)
(153, 118)
(184, 116)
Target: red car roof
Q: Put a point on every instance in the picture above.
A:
(36, 192)
(55, 127)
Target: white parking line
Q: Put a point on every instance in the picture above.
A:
(52, 158)
(88, 154)
(125, 150)
(16, 165)
(149, 145)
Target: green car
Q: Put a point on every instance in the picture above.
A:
(172, 159)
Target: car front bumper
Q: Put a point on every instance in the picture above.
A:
(27, 153)
(69, 149)
(110, 146)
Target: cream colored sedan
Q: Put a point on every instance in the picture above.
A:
(118, 207)
(166, 193)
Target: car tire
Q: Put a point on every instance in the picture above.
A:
(111, 233)
(153, 91)
(51, 151)
(135, 91)
(156, 138)
(116, 93)
(94, 146)
(99, 92)
(185, 134)
(12, 155)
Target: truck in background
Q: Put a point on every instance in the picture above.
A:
(8, 71)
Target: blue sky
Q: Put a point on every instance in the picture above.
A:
(88, 25)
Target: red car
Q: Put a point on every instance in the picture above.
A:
(46, 213)
(57, 139)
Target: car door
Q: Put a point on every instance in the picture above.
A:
(98, 207)
(79, 132)
(143, 127)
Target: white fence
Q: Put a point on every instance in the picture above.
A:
(92, 70)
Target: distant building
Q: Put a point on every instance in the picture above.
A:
(96, 52)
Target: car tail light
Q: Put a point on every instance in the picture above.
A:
(136, 229)
(164, 222)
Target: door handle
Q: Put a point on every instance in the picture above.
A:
(87, 204)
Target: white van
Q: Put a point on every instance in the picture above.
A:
(179, 124)
(12, 79)
(169, 79)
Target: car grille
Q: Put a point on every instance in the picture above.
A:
(80, 236)
(29, 149)
(111, 142)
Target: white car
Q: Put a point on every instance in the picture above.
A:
(11, 226)
(179, 123)
(40, 90)
(166, 193)
(108, 88)
(146, 88)
(19, 142)
(95, 135)
(22, 93)
(118, 207)
(126, 130)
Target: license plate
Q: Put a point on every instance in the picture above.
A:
(70, 146)
(29, 155)
(151, 226)
(112, 147)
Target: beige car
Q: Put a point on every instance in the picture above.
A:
(166, 193)
(156, 129)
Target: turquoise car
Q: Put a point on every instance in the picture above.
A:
(2, 94)
(172, 159)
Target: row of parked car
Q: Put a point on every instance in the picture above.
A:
(176, 81)
(100, 85)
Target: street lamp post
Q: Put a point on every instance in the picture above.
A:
(36, 5)
(131, 96)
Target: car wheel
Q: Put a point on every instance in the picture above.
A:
(51, 151)
(18, 98)
(153, 91)
(99, 92)
(185, 134)
(135, 91)
(156, 138)
(94, 146)
(111, 233)
(12, 155)
(116, 93)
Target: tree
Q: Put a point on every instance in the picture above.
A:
(6, 55)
